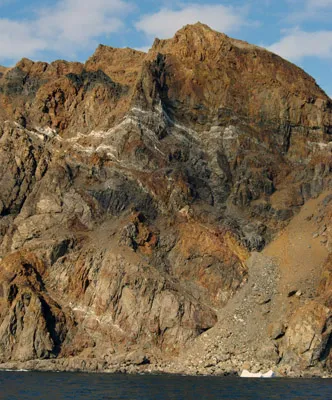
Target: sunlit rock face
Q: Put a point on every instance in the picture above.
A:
(135, 186)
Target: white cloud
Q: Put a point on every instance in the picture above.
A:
(66, 27)
(319, 4)
(166, 22)
(18, 39)
(310, 10)
(79, 21)
(298, 44)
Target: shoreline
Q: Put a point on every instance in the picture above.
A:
(146, 369)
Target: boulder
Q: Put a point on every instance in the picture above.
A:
(307, 339)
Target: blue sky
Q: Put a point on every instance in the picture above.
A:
(298, 30)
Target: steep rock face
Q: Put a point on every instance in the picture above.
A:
(70, 97)
(308, 335)
(123, 65)
(32, 325)
(208, 73)
(139, 184)
(20, 85)
(256, 116)
(122, 303)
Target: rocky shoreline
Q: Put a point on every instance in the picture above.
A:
(95, 366)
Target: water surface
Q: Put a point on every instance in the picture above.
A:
(56, 386)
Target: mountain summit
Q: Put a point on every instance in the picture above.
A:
(166, 211)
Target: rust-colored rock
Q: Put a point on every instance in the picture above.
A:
(134, 188)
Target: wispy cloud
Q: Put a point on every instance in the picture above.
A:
(316, 4)
(310, 10)
(18, 38)
(76, 22)
(66, 27)
(297, 44)
(166, 22)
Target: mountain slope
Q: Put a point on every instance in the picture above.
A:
(135, 188)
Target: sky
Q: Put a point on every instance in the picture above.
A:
(46, 30)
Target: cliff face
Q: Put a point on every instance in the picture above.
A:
(135, 187)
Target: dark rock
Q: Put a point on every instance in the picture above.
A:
(192, 156)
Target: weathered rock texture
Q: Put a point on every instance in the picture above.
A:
(135, 186)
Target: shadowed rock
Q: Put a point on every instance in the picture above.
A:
(135, 186)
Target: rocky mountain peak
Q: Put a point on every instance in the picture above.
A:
(137, 193)
(26, 64)
(121, 64)
(200, 32)
(205, 71)
(199, 37)
(189, 40)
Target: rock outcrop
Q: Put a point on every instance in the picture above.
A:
(135, 188)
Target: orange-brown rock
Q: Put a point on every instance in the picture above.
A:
(123, 65)
(135, 186)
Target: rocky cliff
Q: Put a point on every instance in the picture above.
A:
(140, 197)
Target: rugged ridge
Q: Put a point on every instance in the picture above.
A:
(137, 190)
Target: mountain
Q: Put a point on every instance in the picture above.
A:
(166, 211)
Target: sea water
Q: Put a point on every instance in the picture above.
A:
(58, 386)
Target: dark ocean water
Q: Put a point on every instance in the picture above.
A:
(54, 386)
